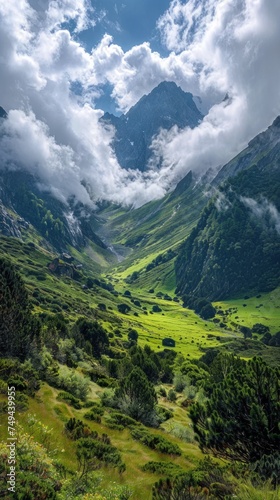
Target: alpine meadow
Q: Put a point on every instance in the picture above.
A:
(140, 250)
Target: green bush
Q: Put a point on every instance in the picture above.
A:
(163, 468)
(155, 442)
(95, 414)
(91, 415)
(74, 383)
(156, 308)
(93, 450)
(112, 425)
(164, 414)
(69, 399)
(76, 429)
(123, 420)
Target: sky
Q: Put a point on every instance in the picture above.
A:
(63, 62)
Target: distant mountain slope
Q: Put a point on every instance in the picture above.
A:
(58, 224)
(235, 247)
(159, 224)
(167, 105)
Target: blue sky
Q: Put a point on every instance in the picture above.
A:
(130, 23)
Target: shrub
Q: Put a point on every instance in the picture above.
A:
(171, 396)
(75, 384)
(168, 342)
(95, 414)
(92, 415)
(93, 450)
(156, 308)
(162, 392)
(137, 398)
(112, 425)
(76, 429)
(180, 381)
(164, 414)
(163, 468)
(260, 328)
(155, 442)
(124, 308)
(123, 420)
(268, 467)
(70, 399)
(183, 432)
(133, 335)
(36, 475)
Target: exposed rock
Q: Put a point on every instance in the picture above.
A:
(61, 268)
(167, 105)
(8, 225)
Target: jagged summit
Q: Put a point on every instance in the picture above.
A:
(167, 105)
(3, 113)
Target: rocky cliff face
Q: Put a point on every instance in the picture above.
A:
(9, 226)
(167, 105)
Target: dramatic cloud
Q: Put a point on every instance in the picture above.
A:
(232, 47)
(49, 83)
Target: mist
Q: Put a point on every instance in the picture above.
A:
(50, 83)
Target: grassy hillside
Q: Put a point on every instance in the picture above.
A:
(53, 414)
(155, 227)
(235, 248)
(104, 313)
(54, 294)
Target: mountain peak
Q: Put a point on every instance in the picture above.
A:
(3, 113)
(165, 106)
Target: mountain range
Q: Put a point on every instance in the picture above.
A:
(223, 235)
(115, 320)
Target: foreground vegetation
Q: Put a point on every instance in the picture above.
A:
(102, 414)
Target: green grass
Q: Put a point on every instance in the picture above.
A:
(190, 332)
(264, 309)
(154, 227)
(54, 413)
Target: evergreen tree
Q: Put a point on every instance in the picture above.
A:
(240, 420)
(18, 327)
(137, 398)
(91, 331)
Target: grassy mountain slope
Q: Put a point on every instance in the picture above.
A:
(152, 230)
(236, 233)
(235, 247)
(36, 216)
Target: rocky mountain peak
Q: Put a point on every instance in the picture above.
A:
(166, 105)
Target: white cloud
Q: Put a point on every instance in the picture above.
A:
(63, 11)
(215, 47)
(233, 47)
(263, 210)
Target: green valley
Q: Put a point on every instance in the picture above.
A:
(140, 347)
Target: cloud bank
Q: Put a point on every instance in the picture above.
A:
(50, 81)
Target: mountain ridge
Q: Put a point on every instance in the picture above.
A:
(235, 246)
(166, 105)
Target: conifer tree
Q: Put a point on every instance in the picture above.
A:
(240, 421)
(17, 325)
(136, 397)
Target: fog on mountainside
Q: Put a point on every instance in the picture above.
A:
(165, 107)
